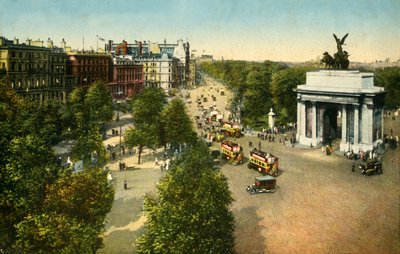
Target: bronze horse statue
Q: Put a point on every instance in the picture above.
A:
(340, 60)
(328, 60)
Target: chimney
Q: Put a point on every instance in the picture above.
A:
(49, 43)
(63, 44)
(16, 41)
(28, 41)
(110, 42)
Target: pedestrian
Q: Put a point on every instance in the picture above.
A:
(120, 165)
(353, 167)
(125, 185)
(259, 145)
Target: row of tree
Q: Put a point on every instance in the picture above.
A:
(259, 86)
(158, 123)
(191, 211)
(44, 206)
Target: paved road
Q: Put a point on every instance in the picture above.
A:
(320, 207)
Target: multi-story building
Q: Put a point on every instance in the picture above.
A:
(160, 71)
(33, 70)
(192, 73)
(59, 85)
(127, 77)
(165, 65)
(88, 67)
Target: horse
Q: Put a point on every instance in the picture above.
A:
(328, 60)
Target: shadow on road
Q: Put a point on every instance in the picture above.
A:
(248, 230)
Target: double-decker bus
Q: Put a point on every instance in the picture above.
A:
(232, 152)
(263, 162)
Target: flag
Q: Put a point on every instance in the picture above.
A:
(102, 39)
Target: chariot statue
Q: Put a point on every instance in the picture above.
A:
(340, 59)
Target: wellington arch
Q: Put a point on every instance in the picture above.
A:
(340, 104)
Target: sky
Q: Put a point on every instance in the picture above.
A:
(256, 30)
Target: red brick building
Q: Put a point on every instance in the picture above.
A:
(86, 68)
(127, 78)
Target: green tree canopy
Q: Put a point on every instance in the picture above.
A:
(98, 102)
(177, 123)
(89, 147)
(390, 79)
(191, 211)
(145, 135)
(284, 96)
(147, 106)
(55, 233)
(43, 208)
(28, 168)
(85, 196)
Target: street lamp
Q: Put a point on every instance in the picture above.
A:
(117, 104)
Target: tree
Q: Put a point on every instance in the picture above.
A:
(88, 108)
(390, 79)
(44, 209)
(28, 167)
(145, 135)
(55, 233)
(148, 105)
(98, 101)
(85, 196)
(146, 114)
(257, 97)
(284, 96)
(177, 123)
(89, 148)
(191, 211)
(71, 216)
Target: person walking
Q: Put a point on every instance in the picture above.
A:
(125, 185)
(353, 167)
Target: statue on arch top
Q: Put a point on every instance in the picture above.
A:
(340, 58)
(339, 43)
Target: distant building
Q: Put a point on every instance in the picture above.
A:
(192, 73)
(32, 70)
(160, 71)
(165, 65)
(88, 67)
(205, 58)
(127, 77)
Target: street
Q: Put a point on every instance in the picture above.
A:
(321, 206)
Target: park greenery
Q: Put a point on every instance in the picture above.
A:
(158, 123)
(190, 213)
(45, 207)
(257, 87)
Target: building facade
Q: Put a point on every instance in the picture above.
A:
(340, 104)
(165, 65)
(32, 70)
(127, 78)
(88, 67)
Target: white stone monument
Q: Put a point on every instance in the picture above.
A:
(271, 119)
(352, 93)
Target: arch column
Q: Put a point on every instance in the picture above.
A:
(356, 124)
(302, 127)
(344, 124)
(314, 123)
(299, 120)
